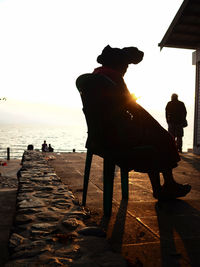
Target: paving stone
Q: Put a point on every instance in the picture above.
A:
(39, 233)
(71, 251)
(31, 203)
(27, 253)
(43, 226)
(49, 224)
(41, 195)
(77, 214)
(16, 240)
(48, 216)
(72, 223)
(93, 231)
(30, 245)
(45, 180)
(23, 219)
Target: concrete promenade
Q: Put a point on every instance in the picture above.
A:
(146, 232)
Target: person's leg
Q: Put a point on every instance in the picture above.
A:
(169, 182)
(154, 177)
(179, 135)
(168, 178)
(171, 189)
(179, 143)
(172, 130)
(170, 185)
(155, 183)
(175, 140)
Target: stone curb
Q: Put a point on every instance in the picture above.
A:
(49, 227)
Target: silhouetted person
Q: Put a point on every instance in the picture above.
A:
(176, 117)
(50, 148)
(127, 133)
(44, 147)
(30, 147)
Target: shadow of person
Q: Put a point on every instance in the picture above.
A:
(179, 227)
(114, 226)
(193, 161)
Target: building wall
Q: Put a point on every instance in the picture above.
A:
(196, 144)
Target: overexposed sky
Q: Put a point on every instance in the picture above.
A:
(46, 44)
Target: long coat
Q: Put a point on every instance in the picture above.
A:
(120, 128)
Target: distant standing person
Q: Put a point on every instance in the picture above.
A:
(176, 112)
(44, 147)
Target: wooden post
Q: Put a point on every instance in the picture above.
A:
(8, 153)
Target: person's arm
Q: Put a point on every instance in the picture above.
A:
(184, 111)
(167, 113)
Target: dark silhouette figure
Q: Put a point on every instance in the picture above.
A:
(178, 220)
(44, 147)
(50, 148)
(121, 129)
(176, 118)
(30, 147)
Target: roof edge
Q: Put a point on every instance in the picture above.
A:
(176, 18)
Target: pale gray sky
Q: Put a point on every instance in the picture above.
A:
(46, 44)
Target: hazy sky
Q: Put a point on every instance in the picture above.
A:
(46, 44)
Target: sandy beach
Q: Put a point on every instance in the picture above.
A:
(8, 190)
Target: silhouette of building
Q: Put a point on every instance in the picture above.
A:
(184, 32)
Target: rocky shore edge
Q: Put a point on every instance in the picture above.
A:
(49, 228)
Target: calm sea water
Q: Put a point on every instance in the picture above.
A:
(62, 138)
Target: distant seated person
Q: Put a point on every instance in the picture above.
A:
(50, 148)
(44, 147)
(30, 147)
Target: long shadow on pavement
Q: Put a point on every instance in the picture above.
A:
(179, 227)
(116, 237)
(118, 230)
(194, 161)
